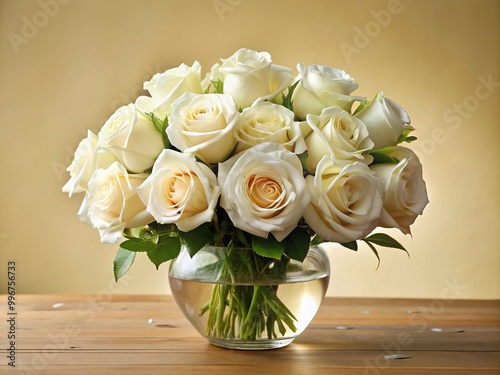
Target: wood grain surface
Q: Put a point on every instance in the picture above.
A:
(117, 334)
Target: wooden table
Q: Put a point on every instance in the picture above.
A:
(115, 334)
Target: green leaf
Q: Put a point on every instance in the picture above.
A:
(156, 122)
(361, 105)
(379, 158)
(123, 261)
(139, 244)
(286, 100)
(404, 137)
(384, 240)
(161, 126)
(297, 244)
(166, 141)
(197, 238)
(268, 247)
(240, 235)
(353, 245)
(384, 150)
(166, 249)
(316, 240)
(374, 252)
(303, 159)
(218, 86)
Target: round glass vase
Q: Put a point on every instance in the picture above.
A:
(237, 299)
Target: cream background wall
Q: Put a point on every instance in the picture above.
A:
(80, 60)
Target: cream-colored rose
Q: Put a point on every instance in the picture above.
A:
(165, 87)
(250, 75)
(88, 157)
(384, 119)
(346, 201)
(321, 87)
(404, 190)
(336, 133)
(180, 191)
(202, 125)
(268, 122)
(111, 203)
(263, 190)
(132, 138)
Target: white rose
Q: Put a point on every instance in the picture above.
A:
(165, 87)
(404, 190)
(346, 201)
(384, 119)
(202, 125)
(320, 87)
(268, 122)
(131, 136)
(263, 190)
(336, 133)
(180, 191)
(111, 203)
(88, 157)
(249, 76)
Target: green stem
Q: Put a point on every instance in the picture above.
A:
(248, 323)
(245, 312)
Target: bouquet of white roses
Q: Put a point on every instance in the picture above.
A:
(249, 156)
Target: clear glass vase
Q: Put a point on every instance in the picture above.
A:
(239, 300)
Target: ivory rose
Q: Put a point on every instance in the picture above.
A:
(165, 87)
(336, 133)
(111, 203)
(132, 138)
(250, 75)
(404, 190)
(384, 119)
(88, 157)
(268, 122)
(346, 200)
(202, 125)
(263, 190)
(321, 87)
(180, 191)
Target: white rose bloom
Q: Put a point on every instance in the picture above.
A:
(268, 122)
(111, 203)
(321, 87)
(180, 191)
(131, 136)
(88, 157)
(263, 190)
(405, 193)
(165, 87)
(384, 119)
(202, 125)
(346, 201)
(249, 76)
(336, 133)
